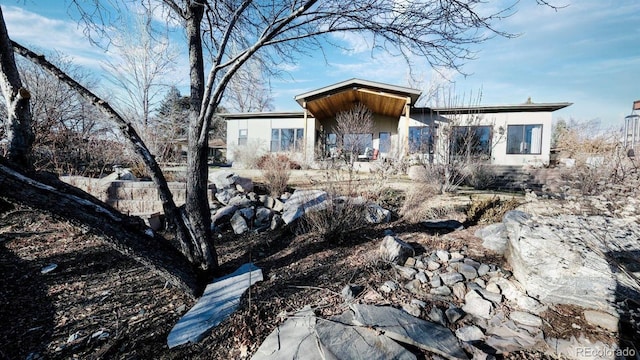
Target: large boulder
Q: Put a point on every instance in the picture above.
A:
(568, 259)
(302, 202)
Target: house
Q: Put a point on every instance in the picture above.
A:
(502, 135)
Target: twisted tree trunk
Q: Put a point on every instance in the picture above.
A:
(18, 130)
(124, 233)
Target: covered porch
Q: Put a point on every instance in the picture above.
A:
(388, 135)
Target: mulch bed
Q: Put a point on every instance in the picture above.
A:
(99, 304)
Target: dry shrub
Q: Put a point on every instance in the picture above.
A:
(266, 160)
(340, 218)
(418, 204)
(490, 210)
(481, 176)
(276, 173)
(247, 156)
(601, 161)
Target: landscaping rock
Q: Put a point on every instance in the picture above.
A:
(407, 272)
(263, 217)
(602, 319)
(468, 271)
(409, 329)
(375, 214)
(350, 291)
(469, 333)
(395, 250)
(477, 306)
(443, 255)
(451, 278)
(437, 316)
(223, 214)
(525, 318)
(559, 259)
(454, 314)
(302, 202)
(459, 290)
(223, 179)
(243, 184)
(220, 299)
(225, 195)
(494, 237)
(441, 291)
(389, 286)
(238, 223)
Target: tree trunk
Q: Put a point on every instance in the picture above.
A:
(125, 234)
(18, 125)
(197, 203)
(187, 240)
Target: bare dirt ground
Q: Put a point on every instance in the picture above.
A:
(98, 304)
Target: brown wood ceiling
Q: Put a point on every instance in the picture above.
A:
(378, 102)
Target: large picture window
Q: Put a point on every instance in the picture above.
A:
(471, 141)
(420, 139)
(357, 143)
(286, 140)
(524, 139)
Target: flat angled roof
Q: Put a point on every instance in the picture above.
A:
(530, 107)
(274, 114)
(347, 84)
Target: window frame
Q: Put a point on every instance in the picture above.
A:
(524, 139)
(486, 147)
(417, 147)
(243, 136)
(292, 142)
(384, 146)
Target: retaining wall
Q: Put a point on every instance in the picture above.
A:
(131, 197)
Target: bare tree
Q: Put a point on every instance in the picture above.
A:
(354, 131)
(248, 91)
(143, 59)
(17, 129)
(232, 32)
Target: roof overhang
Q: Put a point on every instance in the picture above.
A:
(383, 99)
(491, 109)
(262, 115)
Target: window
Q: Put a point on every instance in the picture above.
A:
(331, 142)
(286, 139)
(471, 141)
(242, 137)
(357, 143)
(385, 142)
(524, 139)
(420, 140)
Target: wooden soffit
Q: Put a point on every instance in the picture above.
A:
(380, 98)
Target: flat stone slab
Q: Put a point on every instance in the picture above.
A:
(304, 336)
(408, 329)
(220, 299)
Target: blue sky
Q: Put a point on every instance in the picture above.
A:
(587, 53)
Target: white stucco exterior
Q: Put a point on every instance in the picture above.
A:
(520, 134)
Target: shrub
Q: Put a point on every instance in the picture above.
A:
(490, 210)
(266, 160)
(418, 204)
(480, 176)
(248, 155)
(276, 173)
(343, 216)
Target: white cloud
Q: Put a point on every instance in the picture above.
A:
(46, 34)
